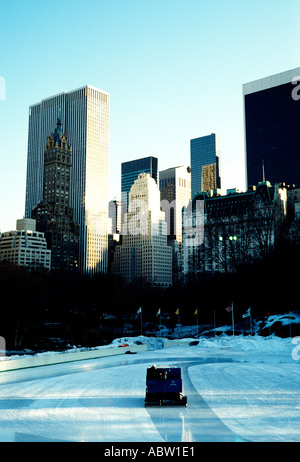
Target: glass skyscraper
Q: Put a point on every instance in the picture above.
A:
(85, 120)
(205, 163)
(272, 129)
(130, 171)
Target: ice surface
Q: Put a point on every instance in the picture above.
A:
(239, 389)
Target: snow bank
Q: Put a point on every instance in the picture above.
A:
(240, 343)
(284, 319)
(153, 343)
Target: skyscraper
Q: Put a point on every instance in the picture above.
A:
(130, 171)
(175, 188)
(114, 213)
(53, 214)
(144, 253)
(205, 163)
(85, 118)
(175, 193)
(272, 134)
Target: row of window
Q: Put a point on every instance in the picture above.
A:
(181, 182)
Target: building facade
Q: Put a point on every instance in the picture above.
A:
(53, 215)
(175, 193)
(25, 247)
(130, 171)
(205, 163)
(115, 215)
(114, 229)
(144, 253)
(294, 216)
(238, 228)
(271, 125)
(85, 118)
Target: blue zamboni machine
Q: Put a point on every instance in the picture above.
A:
(164, 386)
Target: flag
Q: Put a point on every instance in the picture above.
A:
(177, 311)
(248, 313)
(139, 310)
(229, 309)
(158, 313)
(289, 315)
(196, 312)
(268, 313)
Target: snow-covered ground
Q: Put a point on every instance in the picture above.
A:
(239, 389)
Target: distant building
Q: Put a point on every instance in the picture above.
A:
(25, 247)
(175, 193)
(237, 227)
(205, 163)
(144, 253)
(85, 118)
(115, 214)
(272, 135)
(130, 171)
(53, 214)
(114, 229)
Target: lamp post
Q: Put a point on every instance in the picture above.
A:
(224, 238)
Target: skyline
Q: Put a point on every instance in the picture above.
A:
(174, 70)
(88, 175)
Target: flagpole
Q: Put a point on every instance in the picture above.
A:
(159, 314)
(178, 319)
(140, 310)
(232, 319)
(214, 322)
(196, 314)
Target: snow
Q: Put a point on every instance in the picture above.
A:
(285, 319)
(247, 386)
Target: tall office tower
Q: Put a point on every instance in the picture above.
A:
(175, 188)
(131, 170)
(205, 163)
(114, 228)
(85, 118)
(53, 215)
(272, 135)
(175, 193)
(144, 253)
(114, 213)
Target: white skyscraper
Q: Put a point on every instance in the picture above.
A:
(85, 119)
(175, 193)
(144, 252)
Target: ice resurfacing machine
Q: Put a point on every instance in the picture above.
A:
(164, 386)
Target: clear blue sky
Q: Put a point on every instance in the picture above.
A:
(174, 70)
